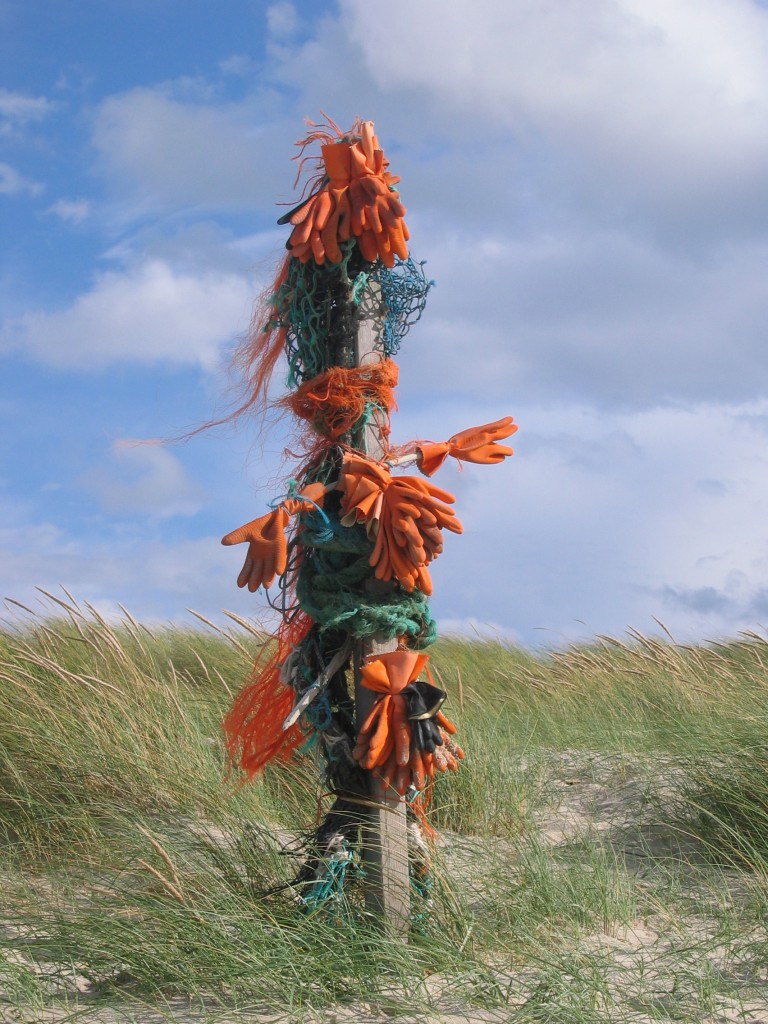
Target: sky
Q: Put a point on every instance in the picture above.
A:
(586, 181)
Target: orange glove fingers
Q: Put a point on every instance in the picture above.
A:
(254, 530)
(449, 727)
(387, 771)
(484, 454)
(441, 762)
(408, 527)
(370, 721)
(397, 242)
(451, 744)
(495, 431)
(385, 253)
(329, 238)
(318, 249)
(373, 185)
(407, 504)
(357, 208)
(427, 518)
(417, 554)
(323, 209)
(360, 749)
(301, 252)
(403, 568)
(373, 218)
(379, 737)
(382, 570)
(387, 750)
(396, 207)
(256, 573)
(304, 222)
(390, 220)
(244, 579)
(368, 142)
(379, 555)
(345, 213)
(418, 774)
(368, 248)
(401, 731)
(432, 536)
(424, 581)
(434, 492)
(402, 779)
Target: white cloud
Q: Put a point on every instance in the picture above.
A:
(12, 183)
(145, 479)
(601, 317)
(149, 313)
(604, 521)
(18, 110)
(162, 151)
(659, 102)
(73, 211)
(282, 19)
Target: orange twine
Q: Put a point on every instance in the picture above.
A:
(253, 728)
(334, 401)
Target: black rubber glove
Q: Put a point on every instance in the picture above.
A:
(423, 701)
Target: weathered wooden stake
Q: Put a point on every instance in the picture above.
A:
(385, 838)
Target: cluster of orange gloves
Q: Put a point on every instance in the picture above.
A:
(356, 199)
(404, 749)
(404, 514)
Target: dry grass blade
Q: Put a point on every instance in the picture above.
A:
(259, 634)
(167, 885)
(222, 632)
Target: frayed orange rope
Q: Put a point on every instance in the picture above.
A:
(334, 401)
(253, 728)
(260, 353)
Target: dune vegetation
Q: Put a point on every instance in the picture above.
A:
(602, 854)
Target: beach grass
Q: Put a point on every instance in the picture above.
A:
(603, 851)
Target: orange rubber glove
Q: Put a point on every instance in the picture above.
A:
(476, 444)
(267, 549)
(267, 545)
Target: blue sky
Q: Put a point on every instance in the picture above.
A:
(586, 181)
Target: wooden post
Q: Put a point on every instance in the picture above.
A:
(385, 835)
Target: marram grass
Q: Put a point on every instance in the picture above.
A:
(130, 860)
